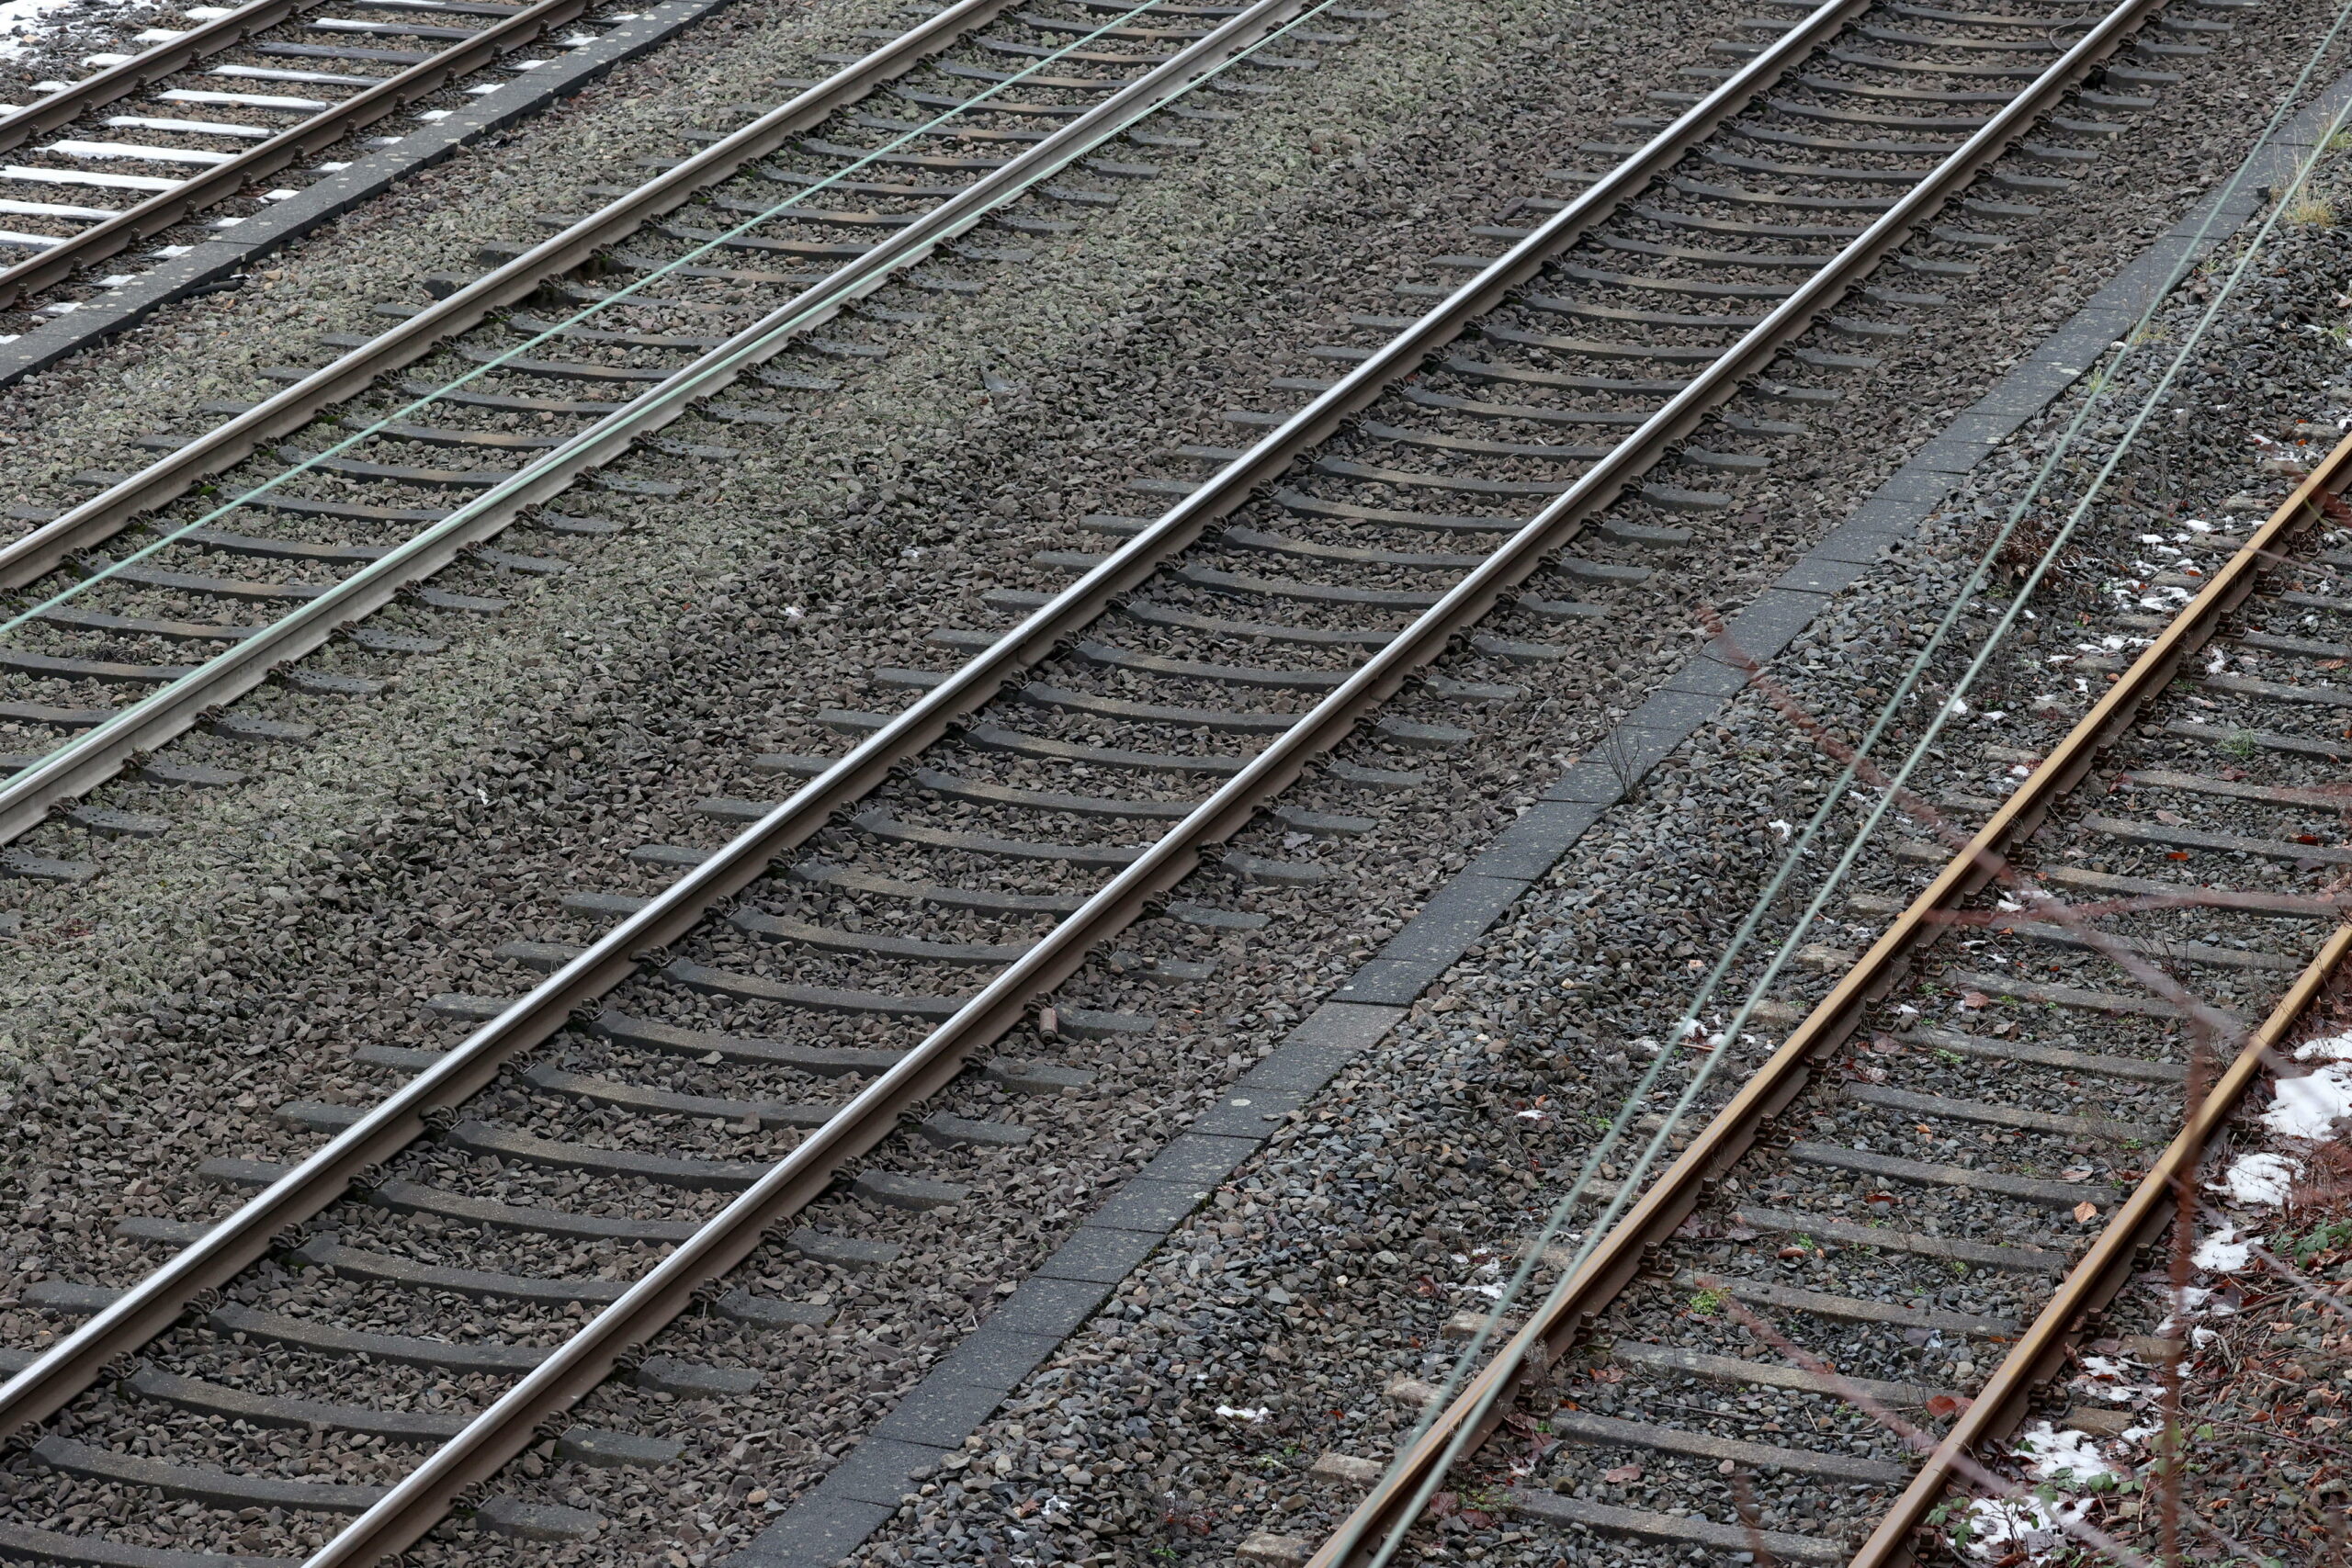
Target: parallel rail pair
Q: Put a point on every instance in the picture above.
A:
(2286, 721)
(1145, 874)
(259, 149)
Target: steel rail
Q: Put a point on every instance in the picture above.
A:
(397, 1120)
(2092, 1281)
(2103, 1270)
(150, 1305)
(93, 756)
(89, 760)
(77, 98)
(321, 131)
(572, 1369)
(93, 521)
(580, 1363)
(1479, 1408)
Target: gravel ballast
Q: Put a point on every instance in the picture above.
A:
(639, 705)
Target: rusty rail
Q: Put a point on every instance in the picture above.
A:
(1653, 1217)
(2102, 1271)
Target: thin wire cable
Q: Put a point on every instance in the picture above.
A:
(1690, 1025)
(589, 312)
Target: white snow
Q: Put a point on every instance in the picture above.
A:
(2326, 1048)
(21, 25)
(2194, 1300)
(1999, 1528)
(2050, 1454)
(2106, 1379)
(2308, 1106)
(2263, 1179)
(2223, 1252)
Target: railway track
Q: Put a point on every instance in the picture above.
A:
(204, 118)
(1903, 1221)
(729, 262)
(75, 655)
(745, 1036)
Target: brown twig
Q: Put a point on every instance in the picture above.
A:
(2296, 1278)
(2171, 1457)
(2285, 1436)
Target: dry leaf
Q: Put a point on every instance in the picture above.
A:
(2086, 1211)
(1975, 999)
(2172, 820)
(1609, 1374)
(1943, 1404)
(1621, 1474)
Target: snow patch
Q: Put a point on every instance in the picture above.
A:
(2000, 1527)
(2263, 1179)
(24, 23)
(2065, 1456)
(2308, 1106)
(2223, 1252)
(2105, 1377)
(2326, 1048)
